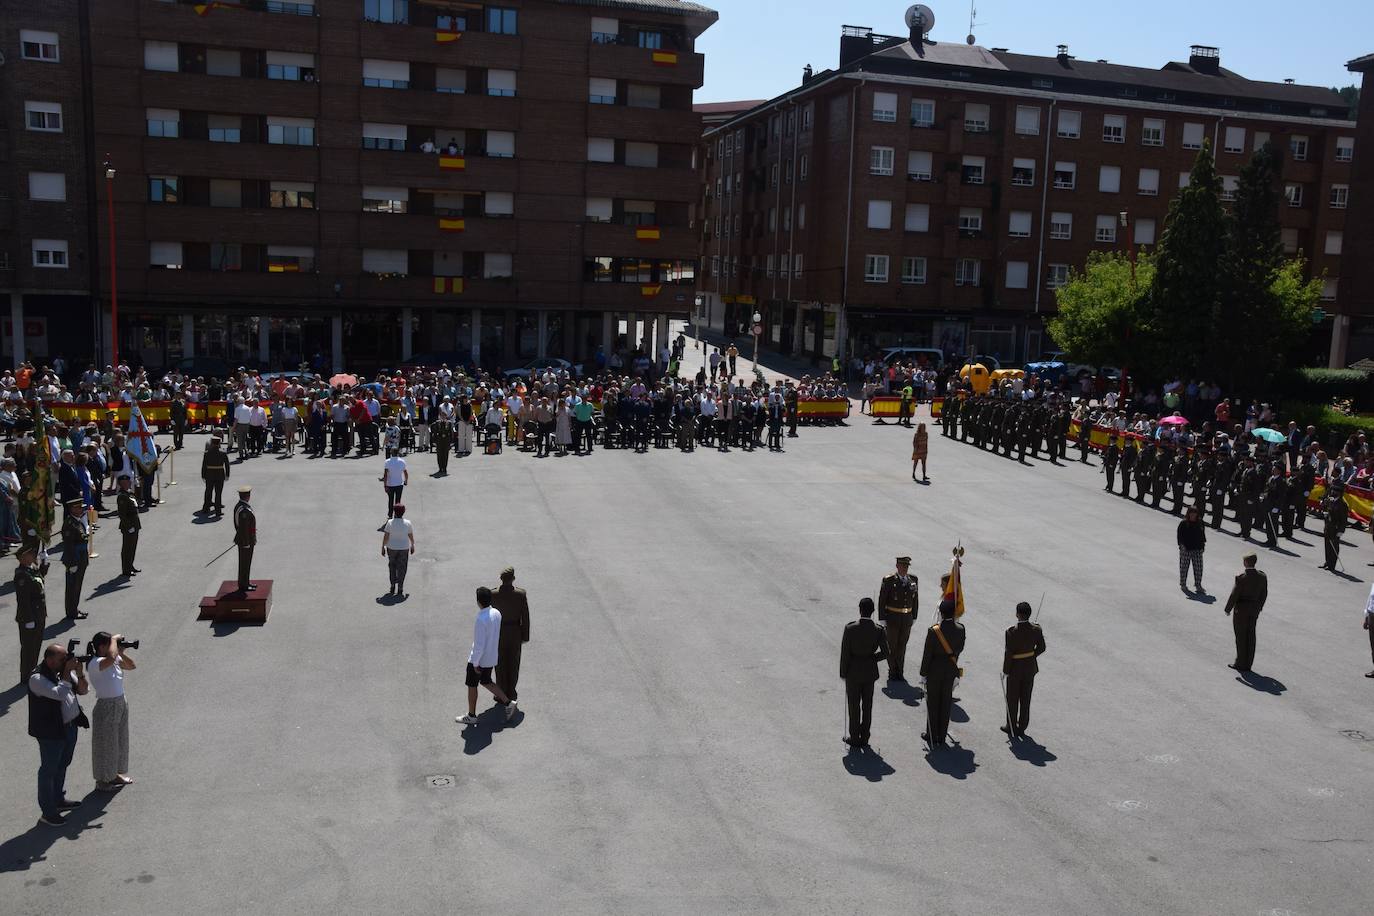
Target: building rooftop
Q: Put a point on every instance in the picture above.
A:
(677, 7)
(719, 108)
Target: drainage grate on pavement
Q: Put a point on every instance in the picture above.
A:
(441, 782)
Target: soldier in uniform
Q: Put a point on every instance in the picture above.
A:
(1025, 644)
(246, 537)
(863, 645)
(1164, 462)
(1334, 513)
(1144, 471)
(1306, 480)
(949, 415)
(1251, 485)
(1203, 469)
(940, 668)
(1178, 479)
(441, 438)
(898, 604)
(30, 608)
(1247, 600)
(1061, 434)
(1275, 494)
(129, 525)
(214, 470)
(514, 606)
(75, 555)
(1129, 456)
(791, 398)
(1109, 462)
(1217, 487)
(1085, 431)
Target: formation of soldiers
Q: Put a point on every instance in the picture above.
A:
(1006, 426)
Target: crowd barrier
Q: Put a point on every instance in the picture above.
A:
(823, 408)
(887, 405)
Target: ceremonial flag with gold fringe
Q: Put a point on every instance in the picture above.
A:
(955, 589)
(452, 225)
(647, 234)
(452, 285)
(452, 163)
(665, 58)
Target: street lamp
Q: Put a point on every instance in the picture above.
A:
(758, 332)
(114, 290)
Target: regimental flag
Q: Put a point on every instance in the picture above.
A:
(451, 285)
(665, 58)
(140, 441)
(647, 234)
(36, 500)
(452, 225)
(446, 37)
(452, 163)
(955, 589)
(649, 292)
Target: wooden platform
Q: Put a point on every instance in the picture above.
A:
(229, 605)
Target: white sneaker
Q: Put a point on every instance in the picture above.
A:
(510, 710)
(466, 720)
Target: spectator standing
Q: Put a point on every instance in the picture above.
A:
(395, 476)
(398, 544)
(1192, 540)
(483, 656)
(110, 718)
(54, 715)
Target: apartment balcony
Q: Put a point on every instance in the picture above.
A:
(421, 170)
(228, 224)
(415, 43)
(230, 95)
(637, 65)
(441, 109)
(630, 297)
(657, 125)
(412, 231)
(266, 161)
(612, 239)
(605, 179)
(201, 286)
(249, 25)
(419, 291)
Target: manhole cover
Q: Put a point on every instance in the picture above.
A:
(441, 782)
(1355, 734)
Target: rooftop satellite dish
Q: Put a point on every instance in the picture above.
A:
(920, 18)
(970, 39)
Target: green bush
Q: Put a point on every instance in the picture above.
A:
(1321, 386)
(1331, 424)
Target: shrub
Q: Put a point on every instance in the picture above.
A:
(1321, 386)
(1332, 425)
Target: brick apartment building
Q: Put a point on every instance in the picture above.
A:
(357, 182)
(933, 194)
(1353, 336)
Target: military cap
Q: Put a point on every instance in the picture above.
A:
(906, 560)
(947, 607)
(245, 489)
(1250, 558)
(78, 501)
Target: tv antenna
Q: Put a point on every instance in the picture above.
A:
(972, 21)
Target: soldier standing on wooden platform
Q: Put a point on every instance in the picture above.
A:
(129, 526)
(1025, 644)
(246, 537)
(897, 602)
(863, 645)
(514, 606)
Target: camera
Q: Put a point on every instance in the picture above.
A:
(72, 645)
(91, 651)
(128, 643)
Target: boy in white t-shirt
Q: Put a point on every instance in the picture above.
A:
(394, 479)
(398, 543)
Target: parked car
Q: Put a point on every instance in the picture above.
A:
(926, 357)
(555, 363)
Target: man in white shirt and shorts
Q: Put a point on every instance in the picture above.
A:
(486, 640)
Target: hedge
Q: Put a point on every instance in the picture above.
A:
(1321, 386)
(1332, 425)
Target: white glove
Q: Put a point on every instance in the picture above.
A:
(29, 625)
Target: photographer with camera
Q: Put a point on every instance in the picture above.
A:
(110, 718)
(54, 716)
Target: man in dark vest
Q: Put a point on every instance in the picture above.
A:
(940, 668)
(514, 606)
(246, 537)
(898, 603)
(54, 716)
(1247, 600)
(863, 645)
(1025, 644)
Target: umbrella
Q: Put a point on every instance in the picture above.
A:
(1175, 420)
(343, 380)
(1270, 435)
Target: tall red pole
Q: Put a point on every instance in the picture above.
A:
(114, 288)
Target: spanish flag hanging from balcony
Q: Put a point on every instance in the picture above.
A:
(649, 292)
(283, 267)
(452, 163)
(665, 58)
(647, 234)
(446, 36)
(453, 285)
(203, 9)
(452, 225)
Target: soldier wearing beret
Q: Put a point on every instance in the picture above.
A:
(214, 470)
(897, 606)
(129, 526)
(863, 645)
(1025, 643)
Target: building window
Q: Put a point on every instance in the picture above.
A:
(290, 259)
(875, 268)
(1148, 182)
(1192, 136)
(1333, 243)
(1106, 228)
(49, 253)
(970, 219)
(1027, 120)
(917, 218)
(787, 218)
(501, 83)
(1235, 140)
(294, 132)
(1061, 226)
(162, 56)
(602, 149)
(808, 112)
(1152, 133)
(650, 40)
(383, 136)
(879, 214)
(768, 266)
(35, 45)
(385, 200)
(290, 195)
(914, 271)
(163, 189)
(47, 186)
(1261, 139)
(772, 219)
(972, 169)
(968, 272)
(386, 261)
(1293, 193)
(1109, 179)
(386, 74)
(44, 116)
(1114, 129)
(637, 95)
(801, 216)
(1023, 173)
(282, 65)
(601, 91)
(773, 174)
(223, 62)
(1329, 288)
(163, 122)
(976, 118)
(1019, 224)
(1340, 196)
(1042, 84)
(880, 160)
(1070, 125)
(501, 21)
(918, 165)
(1056, 275)
(1144, 231)
(885, 107)
(223, 128)
(1065, 175)
(1345, 149)
(1229, 184)
(804, 166)
(397, 11)
(226, 192)
(922, 113)
(447, 79)
(226, 256)
(1018, 274)
(165, 256)
(1297, 145)
(1289, 239)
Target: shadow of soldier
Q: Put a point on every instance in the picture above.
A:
(1028, 749)
(909, 694)
(1262, 683)
(20, 853)
(868, 763)
(956, 761)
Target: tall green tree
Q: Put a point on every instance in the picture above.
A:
(1101, 317)
(1184, 295)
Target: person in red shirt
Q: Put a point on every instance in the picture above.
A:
(1223, 412)
(362, 421)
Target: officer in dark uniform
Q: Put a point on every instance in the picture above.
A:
(246, 537)
(863, 645)
(1144, 471)
(1251, 485)
(1203, 469)
(1178, 479)
(129, 525)
(1109, 462)
(1275, 494)
(1129, 456)
(1025, 644)
(1159, 483)
(949, 415)
(1247, 600)
(441, 438)
(940, 668)
(1334, 512)
(514, 606)
(1306, 480)
(1217, 488)
(898, 604)
(214, 470)
(75, 555)
(1085, 431)
(791, 398)
(30, 608)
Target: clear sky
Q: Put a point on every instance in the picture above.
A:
(758, 48)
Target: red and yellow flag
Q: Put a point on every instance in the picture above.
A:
(446, 37)
(452, 163)
(665, 58)
(649, 292)
(283, 267)
(203, 9)
(452, 285)
(955, 589)
(452, 225)
(647, 234)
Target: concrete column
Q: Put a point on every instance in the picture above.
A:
(660, 335)
(797, 330)
(264, 340)
(632, 330)
(608, 325)
(17, 327)
(407, 316)
(543, 334)
(1340, 341)
(336, 342)
(477, 336)
(572, 341)
(188, 335)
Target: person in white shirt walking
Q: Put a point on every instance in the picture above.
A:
(482, 658)
(394, 479)
(398, 543)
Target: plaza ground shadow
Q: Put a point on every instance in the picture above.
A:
(909, 694)
(1028, 749)
(117, 584)
(955, 761)
(868, 763)
(956, 712)
(12, 696)
(22, 852)
(1262, 683)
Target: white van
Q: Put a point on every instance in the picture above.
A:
(927, 357)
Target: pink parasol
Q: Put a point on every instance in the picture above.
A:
(1175, 420)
